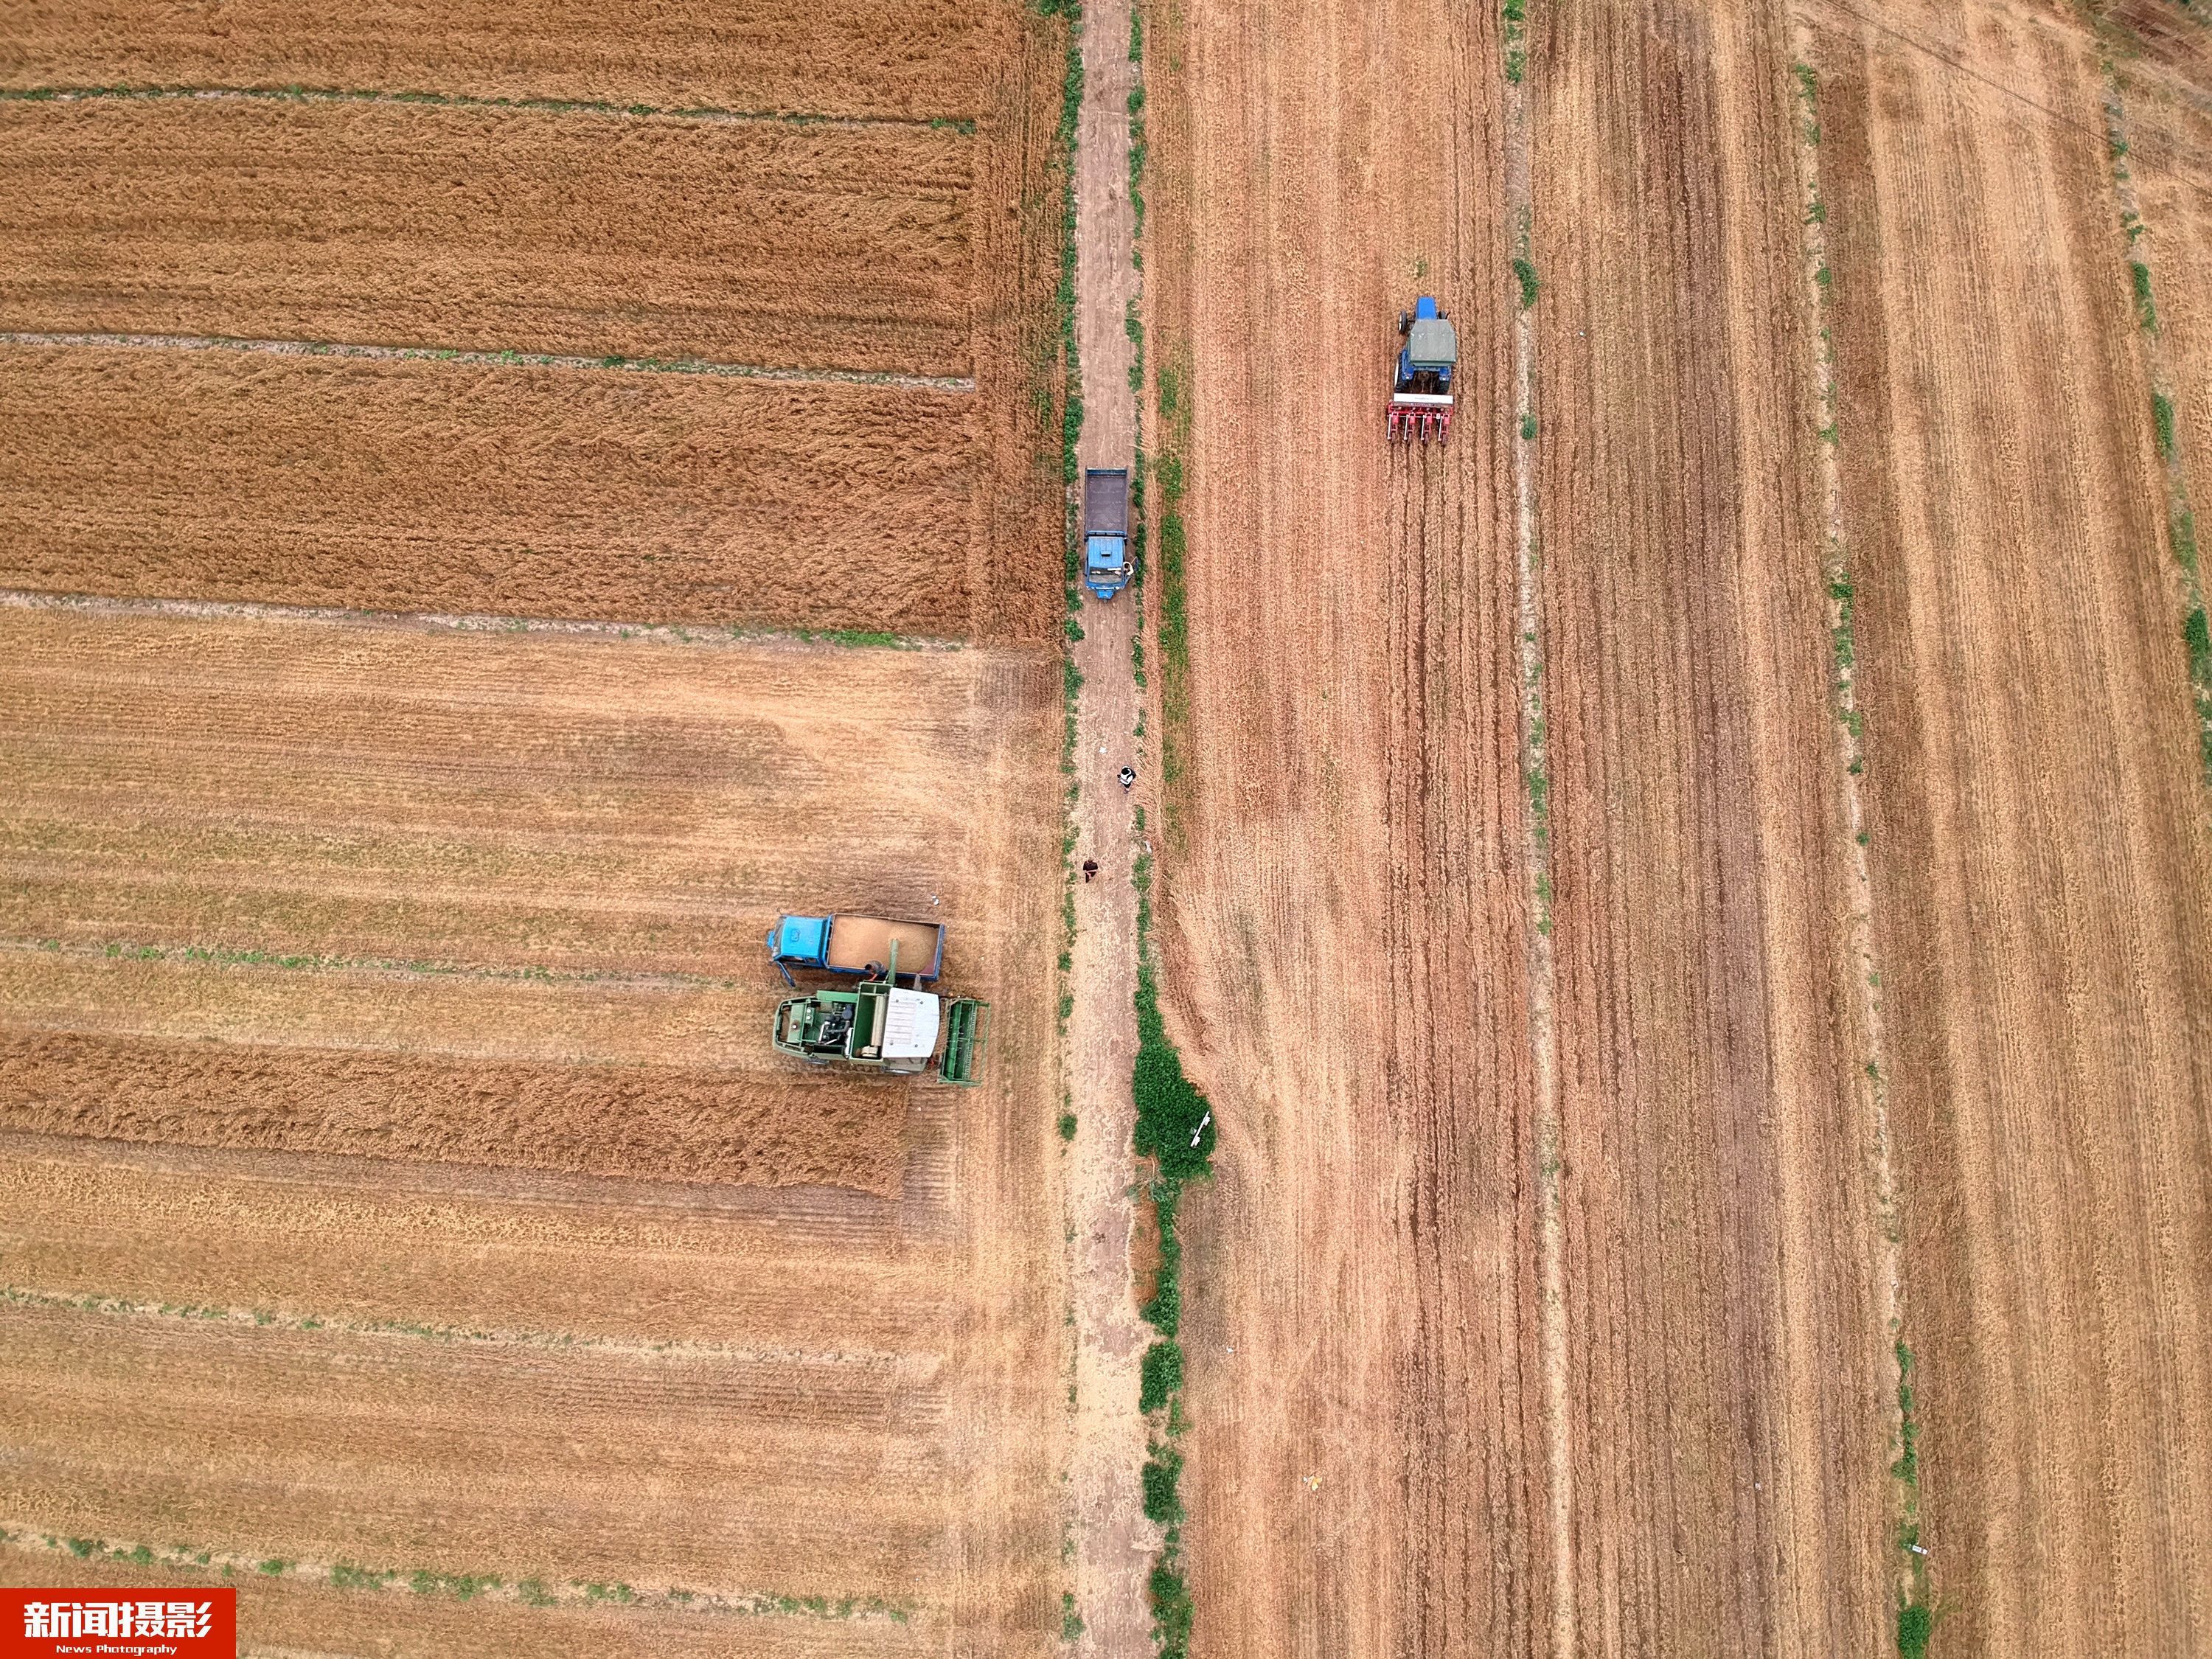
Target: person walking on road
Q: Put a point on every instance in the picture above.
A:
(1089, 868)
(1128, 777)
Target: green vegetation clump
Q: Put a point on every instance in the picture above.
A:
(1163, 1472)
(2162, 418)
(1174, 1123)
(1916, 1623)
(1516, 13)
(2146, 309)
(1160, 1375)
(1524, 271)
(1163, 1312)
(1171, 1610)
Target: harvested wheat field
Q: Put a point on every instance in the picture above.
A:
(1593, 1096)
(2039, 834)
(1343, 922)
(414, 421)
(384, 1077)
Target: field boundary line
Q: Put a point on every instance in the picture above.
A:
(112, 1307)
(1543, 1034)
(964, 125)
(1910, 1575)
(349, 1577)
(715, 635)
(615, 364)
(2180, 518)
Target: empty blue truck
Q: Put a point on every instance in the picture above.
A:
(1106, 530)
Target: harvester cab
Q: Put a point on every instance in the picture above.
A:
(1421, 392)
(899, 1029)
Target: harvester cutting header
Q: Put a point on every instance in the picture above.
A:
(1421, 395)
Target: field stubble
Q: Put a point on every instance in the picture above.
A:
(2038, 833)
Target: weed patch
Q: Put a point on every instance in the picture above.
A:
(2146, 308)
(1160, 1375)
(1163, 1311)
(1163, 1474)
(1171, 1609)
(1524, 272)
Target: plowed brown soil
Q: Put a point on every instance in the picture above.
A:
(1352, 924)
(425, 486)
(910, 58)
(2043, 875)
(1730, 1489)
(1344, 916)
(754, 242)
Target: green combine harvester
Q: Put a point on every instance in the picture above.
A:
(900, 1029)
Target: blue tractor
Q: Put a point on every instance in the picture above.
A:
(1421, 395)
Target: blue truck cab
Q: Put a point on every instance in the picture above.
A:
(1106, 530)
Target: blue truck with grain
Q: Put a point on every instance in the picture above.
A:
(1106, 530)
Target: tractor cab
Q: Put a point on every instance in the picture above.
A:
(1421, 391)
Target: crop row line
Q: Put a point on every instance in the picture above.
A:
(464, 623)
(1561, 1639)
(457, 1586)
(112, 1307)
(2181, 519)
(962, 125)
(220, 956)
(960, 383)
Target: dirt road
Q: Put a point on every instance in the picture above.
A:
(1111, 1536)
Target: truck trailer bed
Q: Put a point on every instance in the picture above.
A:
(856, 941)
